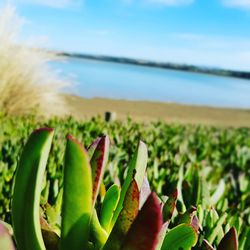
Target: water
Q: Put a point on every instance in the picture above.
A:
(132, 82)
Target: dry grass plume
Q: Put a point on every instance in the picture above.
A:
(27, 82)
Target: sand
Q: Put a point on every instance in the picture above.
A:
(151, 111)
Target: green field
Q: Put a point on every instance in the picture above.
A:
(208, 165)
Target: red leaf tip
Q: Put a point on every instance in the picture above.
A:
(43, 129)
(74, 140)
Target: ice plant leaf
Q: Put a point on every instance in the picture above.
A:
(5, 239)
(161, 235)
(98, 163)
(125, 219)
(109, 205)
(92, 147)
(183, 237)
(51, 239)
(137, 166)
(206, 245)
(97, 234)
(217, 195)
(169, 206)
(26, 197)
(77, 197)
(187, 217)
(229, 241)
(145, 191)
(143, 234)
(195, 223)
(216, 230)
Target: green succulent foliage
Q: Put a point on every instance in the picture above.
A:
(79, 226)
(218, 158)
(26, 197)
(186, 233)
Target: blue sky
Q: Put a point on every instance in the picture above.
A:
(202, 32)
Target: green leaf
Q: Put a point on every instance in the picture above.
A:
(109, 205)
(187, 217)
(136, 170)
(229, 241)
(217, 195)
(98, 162)
(6, 242)
(97, 234)
(77, 197)
(125, 219)
(206, 245)
(169, 206)
(92, 147)
(144, 232)
(191, 189)
(27, 189)
(217, 229)
(182, 237)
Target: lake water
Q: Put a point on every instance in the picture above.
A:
(132, 82)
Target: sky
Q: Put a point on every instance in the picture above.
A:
(214, 33)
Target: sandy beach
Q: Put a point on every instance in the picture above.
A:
(151, 111)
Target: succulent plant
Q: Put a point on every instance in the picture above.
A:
(86, 216)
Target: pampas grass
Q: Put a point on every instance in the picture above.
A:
(27, 82)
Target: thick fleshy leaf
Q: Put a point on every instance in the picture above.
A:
(136, 169)
(6, 242)
(77, 197)
(217, 229)
(145, 191)
(169, 206)
(183, 237)
(109, 205)
(187, 217)
(97, 234)
(144, 232)
(92, 147)
(27, 190)
(161, 235)
(125, 219)
(206, 245)
(51, 239)
(217, 195)
(229, 241)
(191, 189)
(195, 223)
(98, 162)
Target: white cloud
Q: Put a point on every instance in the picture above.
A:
(50, 3)
(243, 4)
(171, 2)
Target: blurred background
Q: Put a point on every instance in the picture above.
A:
(185, 61)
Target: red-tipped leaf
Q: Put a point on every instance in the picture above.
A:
(169, 206)
(143, 234)
(92, 147)
(98, 163)
(125, 219)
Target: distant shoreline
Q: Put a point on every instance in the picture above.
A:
(173, 66)
(147, 111)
